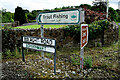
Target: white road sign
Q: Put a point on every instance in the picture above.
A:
(60, 17)
(39, 48)
(39, 40)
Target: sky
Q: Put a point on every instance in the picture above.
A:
(30, 5)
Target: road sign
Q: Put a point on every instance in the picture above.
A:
(84, 35)
(84, 40)
(40, 44)
(39, 48)
(38, 40)
(60, 17)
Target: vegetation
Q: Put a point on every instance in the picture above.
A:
(20, 15)
(25, 16)
(88, 62)
(99, 6)
(7, 16)
(75, 60)
(114, 14)
(8, 54)
(95, 29)
(38, 26)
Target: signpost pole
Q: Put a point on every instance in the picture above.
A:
(83, 42)
(42, 36)
(119, 38)
(55, 60)
(23, 57)
(81, 58)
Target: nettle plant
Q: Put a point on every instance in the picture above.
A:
(88, 62)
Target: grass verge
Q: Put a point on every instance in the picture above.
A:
(38, 26)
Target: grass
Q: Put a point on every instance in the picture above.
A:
(75, 60)
(8, 54)
(38, 26)
(88, 62)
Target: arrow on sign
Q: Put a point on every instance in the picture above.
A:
(73, 16)
(40, 18)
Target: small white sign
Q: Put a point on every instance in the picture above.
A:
(39, 40)
(39, 48)
(60, 17)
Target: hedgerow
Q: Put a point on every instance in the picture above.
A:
(94, 29)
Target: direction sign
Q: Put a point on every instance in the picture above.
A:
(39, 48)
(38, 40)
(84, 35)
(40, 44)
(60, 17)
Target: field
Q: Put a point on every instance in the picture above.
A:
(38, 26)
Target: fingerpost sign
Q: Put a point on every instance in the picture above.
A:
(84, 41)
(62, 17)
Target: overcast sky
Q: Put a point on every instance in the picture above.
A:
(30, 5)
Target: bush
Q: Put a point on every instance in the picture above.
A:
(73, 31)
(96, 27)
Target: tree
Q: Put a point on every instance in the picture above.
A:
(118, 15)
(112, 14)
(99, 6)
(7, 16)
(20, 15)
(0, 17)
(87, 5)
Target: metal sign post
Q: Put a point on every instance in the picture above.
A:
(119, 38)
(42, 36)
(55, 60)
(83, 42)
(81, 58)
(23, 57)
